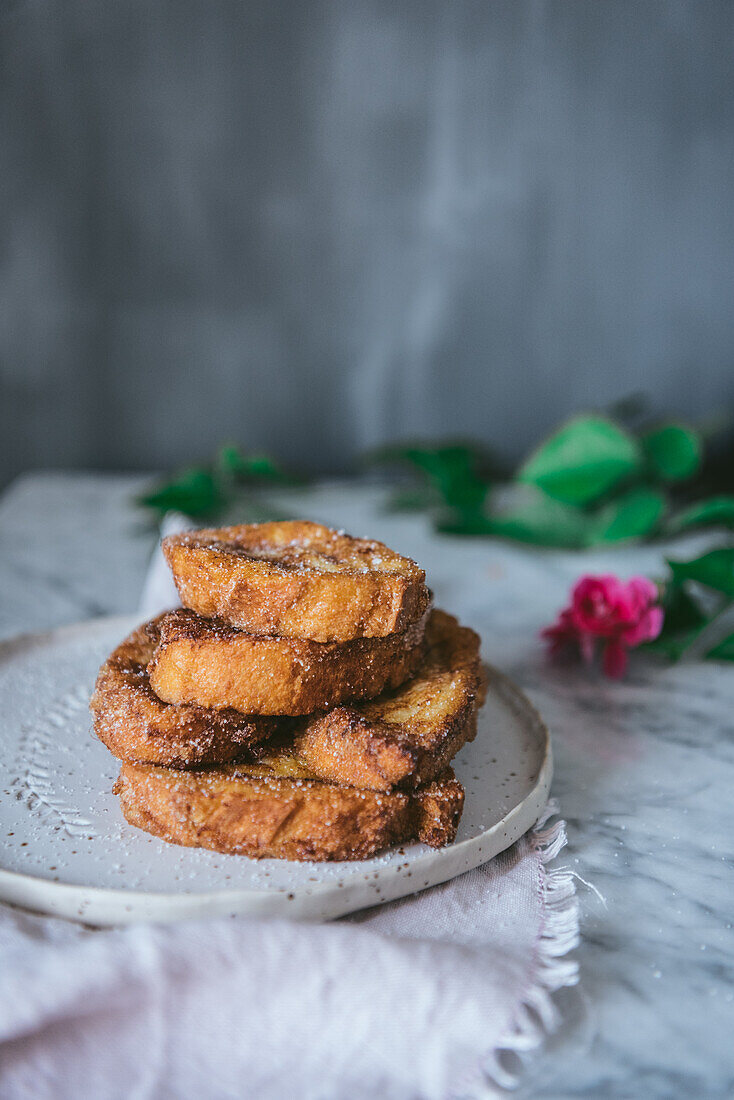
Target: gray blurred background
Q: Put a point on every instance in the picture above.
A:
(311, 227)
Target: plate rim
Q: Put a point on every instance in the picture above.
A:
(105, 906)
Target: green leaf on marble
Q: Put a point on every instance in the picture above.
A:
(208, 492)
(583, 460)
(535, 518)
(715, 570)
(633, 515)
(715, 511)
(248, 468)
(452, 472)
(683, 623)
(194, 491)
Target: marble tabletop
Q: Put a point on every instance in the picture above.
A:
(644, 768)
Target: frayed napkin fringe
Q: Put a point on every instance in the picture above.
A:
(536, 1015)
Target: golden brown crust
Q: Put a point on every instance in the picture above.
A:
(405, 737)
(208, 663)
(409, 735)
(297, 579)
(135, 725)
(248, 810)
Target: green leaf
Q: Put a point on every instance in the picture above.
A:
(534, 519)
(451, 471)
(195, 492)
(565, 532)
(684, 621)
(715, 570)
(583, 460)
(673, 646)
(248, 468)
(716, 511)
(633, 515)
(681, 611)
(673, 451)
(723, 650)
(484, 462)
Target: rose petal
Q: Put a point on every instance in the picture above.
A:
(600, 604)
(647, 628)
(644, 590)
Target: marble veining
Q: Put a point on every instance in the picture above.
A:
(644, 768)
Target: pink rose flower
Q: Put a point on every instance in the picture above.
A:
(619, 614)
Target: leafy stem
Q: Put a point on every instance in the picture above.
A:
(206, 492)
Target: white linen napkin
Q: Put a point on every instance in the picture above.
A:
(415, 998)
(159, 592)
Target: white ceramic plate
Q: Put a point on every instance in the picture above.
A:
(67, 850)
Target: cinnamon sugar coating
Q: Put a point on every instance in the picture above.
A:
(209, 663)
(297, 579)
(403, 738)
(135, 724)
(305, 703)
(249, 810)
(409, 735)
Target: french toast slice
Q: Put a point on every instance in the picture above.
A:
(251, 810)
(135, 724)
(211, 664)
(407, 736)
(297, 579)
(403, 738)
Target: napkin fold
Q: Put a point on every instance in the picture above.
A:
(415, 998)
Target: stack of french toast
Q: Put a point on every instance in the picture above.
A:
(304, 703)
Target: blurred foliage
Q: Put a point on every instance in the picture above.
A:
(597, 480)
(207, 492)
(698, 599)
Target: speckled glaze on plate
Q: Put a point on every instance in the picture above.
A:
(68, 851)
